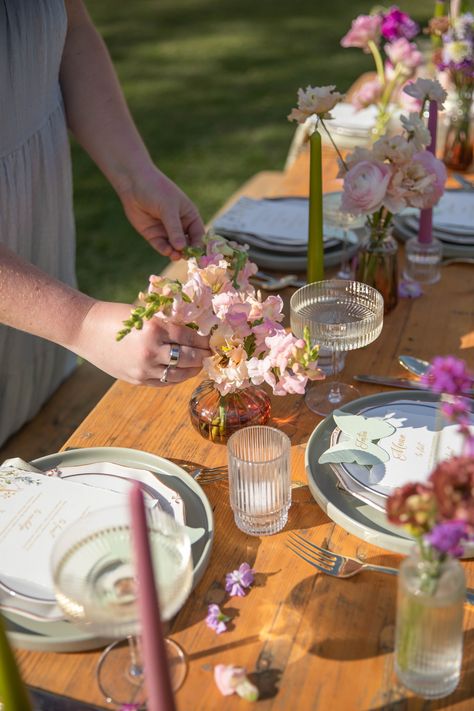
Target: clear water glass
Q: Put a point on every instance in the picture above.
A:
(334, 216)
(95, 585)
(340, 315)
(259, 479)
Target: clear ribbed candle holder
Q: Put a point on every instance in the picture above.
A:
(259, 479)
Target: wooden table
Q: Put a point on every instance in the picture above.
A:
(312, 641)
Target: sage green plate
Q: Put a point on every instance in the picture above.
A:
(355, 516)
(62, 636)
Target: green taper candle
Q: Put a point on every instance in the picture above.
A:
(315, 271)
(13, 694)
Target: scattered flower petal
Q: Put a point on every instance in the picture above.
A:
(216, 619)
(237, 580)
(409, 289)
(233, 680)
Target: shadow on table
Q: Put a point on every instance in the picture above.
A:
(291, 415)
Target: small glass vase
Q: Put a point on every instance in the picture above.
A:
(377, 264)
(459, 144)
(429, 629)
(217, 416)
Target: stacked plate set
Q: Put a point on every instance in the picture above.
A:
(453, 223)
(37, 507)
(276, 231)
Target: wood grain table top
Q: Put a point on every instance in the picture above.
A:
(311, 641)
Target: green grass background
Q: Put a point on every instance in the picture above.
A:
(209, 83)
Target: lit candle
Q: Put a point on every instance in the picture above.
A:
(155, 662)
(425, 234)
(315, 271)
(13, 694)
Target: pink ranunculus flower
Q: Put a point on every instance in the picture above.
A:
(369, 93)
(436, 167)
(404, 53)
(365, 187)
(364, 29)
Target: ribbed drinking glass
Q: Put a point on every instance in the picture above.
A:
(343, 316)
(259, 479)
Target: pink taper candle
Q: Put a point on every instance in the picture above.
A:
(155, 661)
(425, 234)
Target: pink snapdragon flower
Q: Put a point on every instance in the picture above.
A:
(369, 93)
(404, 54)
(365, 187)
(364, 29)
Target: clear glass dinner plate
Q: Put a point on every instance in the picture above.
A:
(59, 635)
(355, 516)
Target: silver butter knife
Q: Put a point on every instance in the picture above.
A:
(392, 382)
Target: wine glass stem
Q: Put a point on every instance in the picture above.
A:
(335, 394)
(136, 668)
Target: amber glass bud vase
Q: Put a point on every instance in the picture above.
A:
(377, 264)
(217, 416)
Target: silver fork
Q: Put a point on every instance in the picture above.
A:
(339, 566)
(204, 475)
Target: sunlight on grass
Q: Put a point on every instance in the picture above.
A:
(210, 83)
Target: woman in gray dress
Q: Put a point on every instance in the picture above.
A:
(55, 72)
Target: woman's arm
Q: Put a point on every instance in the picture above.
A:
(32, 301)
(100, 120)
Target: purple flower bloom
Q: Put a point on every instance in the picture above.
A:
(446, 537)
(239, 579)
(216, 619)
(448, 375)
(409, 289)
(457, 410)
(396, 24)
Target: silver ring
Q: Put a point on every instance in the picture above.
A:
(175, 352)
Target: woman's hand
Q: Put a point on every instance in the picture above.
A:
(142, 357)
(162, 213)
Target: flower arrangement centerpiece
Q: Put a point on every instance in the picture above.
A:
(248, 343)
(440, 516)
(396, 172)
(396, 62)
(455, 57)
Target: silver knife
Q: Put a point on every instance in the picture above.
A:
(392, 382)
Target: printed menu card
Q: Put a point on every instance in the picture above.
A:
(34, 510)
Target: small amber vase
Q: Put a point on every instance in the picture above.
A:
(459, 144)
(217, 416)
(377, 264)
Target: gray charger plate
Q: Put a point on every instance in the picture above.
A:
(63, 636)
(353, 515)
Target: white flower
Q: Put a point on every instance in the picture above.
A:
(416, 130)
(318, 100)
(423, 89)
(395, 149)
(456, 51)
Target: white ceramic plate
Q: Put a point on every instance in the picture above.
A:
(61, 636)
(352, 514)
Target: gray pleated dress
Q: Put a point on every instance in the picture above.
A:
(36, 215)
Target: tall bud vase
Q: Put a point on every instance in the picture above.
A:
(377, 264)
(459, 145)
(429, 628)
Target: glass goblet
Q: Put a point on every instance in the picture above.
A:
(334, 216)
(341, 315)
(95, 586)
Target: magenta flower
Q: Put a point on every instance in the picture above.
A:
(448, 375)
(216, 619)
(237, 580)
(396, 24)
(446, 537)
(457, 410)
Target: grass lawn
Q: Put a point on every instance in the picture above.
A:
(210, 83)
